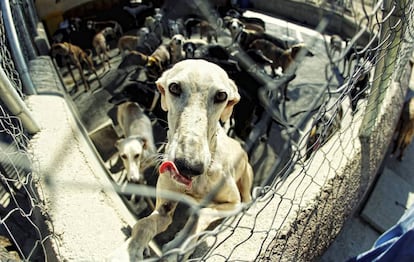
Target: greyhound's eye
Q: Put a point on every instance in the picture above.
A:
(220, 96)
(175, 89)
(123, 156)
(136, 156)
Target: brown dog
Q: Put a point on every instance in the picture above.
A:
(131, 42)
(208, 31)
(405, 129)
(323, 129)
(158, 61)
(199, 157)
(279, 57)
(134, 58)
(101, 48)
(74, 55)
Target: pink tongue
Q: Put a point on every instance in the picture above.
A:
(169, 166)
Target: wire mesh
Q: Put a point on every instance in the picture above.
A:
(302, 149)
(6, 61)
(20, 206)
(24, 34)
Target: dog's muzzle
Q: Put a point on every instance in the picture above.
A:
(187, 169)
(169, 168)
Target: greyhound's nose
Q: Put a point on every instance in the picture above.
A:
(189, 169)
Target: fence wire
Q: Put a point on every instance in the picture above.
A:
(302, 150)
(20, 206)
(7, 62)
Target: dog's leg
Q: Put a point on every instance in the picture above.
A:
(144, 231)
(73, 76)
(99, 53)
(396, 145)
(85, 82)
(188, 235)
(244, 184)
(285, 89)
(147, 228)
(107, 57)
(403, 146)
(88, 60)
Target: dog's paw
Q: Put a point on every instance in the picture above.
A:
(126, 253)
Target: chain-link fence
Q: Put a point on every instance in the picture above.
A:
(21, 208)
(315, 152)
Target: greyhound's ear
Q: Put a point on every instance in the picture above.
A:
(295, 49)
(161, 89)
(117, 142)
(234, 98)
(144, 142)
(227, 20)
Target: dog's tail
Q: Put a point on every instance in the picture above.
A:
(89, 52)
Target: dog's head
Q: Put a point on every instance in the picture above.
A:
(177, 42)
(323, 129)
(108, 31)
(130, 151)
(196, 94)
(300, 47)
(234, 25)
(143, 32)
(153, 67)
(59, 49)
(189, 49)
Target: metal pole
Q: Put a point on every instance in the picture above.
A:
(391, 37)
(391, 33)
(16, 48)
(16, 105)
(33, 18)
(24, 33)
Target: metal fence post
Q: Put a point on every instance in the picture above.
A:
(391, 37)
(16, 48)
(24, 34)
(32, 16)
(15, 104)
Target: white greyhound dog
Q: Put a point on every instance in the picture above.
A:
(137, 149)
(199, 156)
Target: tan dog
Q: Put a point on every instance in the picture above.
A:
(199, 155)
(134, 58)
(137, 149)
(176, 48)
(279, 56)
(101, 48)
(158, 61)
(208, 31)
(74, 55)
(131, 42)
(238, 25)
(405, 129)
(100, 25)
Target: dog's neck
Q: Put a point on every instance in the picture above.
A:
(213, 140)
(238, 36)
